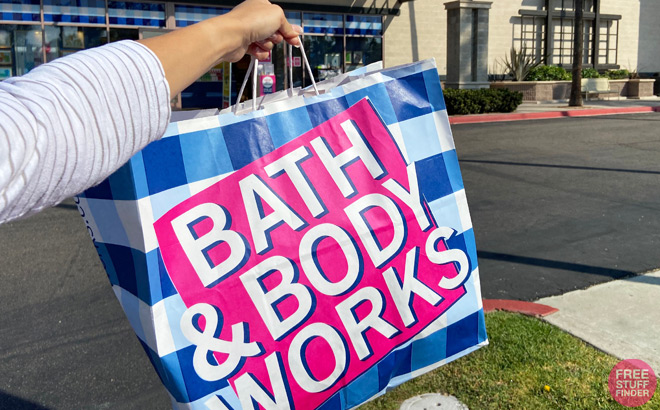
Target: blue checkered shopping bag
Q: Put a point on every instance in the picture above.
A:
(314, 253)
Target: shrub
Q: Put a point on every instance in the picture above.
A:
(548, 73)
(590, 73)
(481, 101)
(617, 74)
(519, 63)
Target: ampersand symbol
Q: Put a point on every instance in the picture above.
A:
(207, 341)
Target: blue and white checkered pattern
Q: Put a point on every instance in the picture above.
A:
(120, 213)
(20, 10)
(136, 14)
(189, 15)
(364, 25)
(293, 17)
(75, 11)
(317, 23)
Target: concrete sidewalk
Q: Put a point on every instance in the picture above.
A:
(621, 317)
(560, 109)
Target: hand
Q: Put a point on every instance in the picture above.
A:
(252, 27)
(262, 25)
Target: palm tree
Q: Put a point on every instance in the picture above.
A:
(578, 46)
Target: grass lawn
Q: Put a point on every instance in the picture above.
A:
(524, 356)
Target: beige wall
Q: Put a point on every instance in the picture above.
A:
(418, 33)
(504, 26)
(628, 29)
(648, 46)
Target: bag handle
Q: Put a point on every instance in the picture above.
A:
(253, 69)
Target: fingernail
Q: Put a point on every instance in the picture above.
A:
(297, 28)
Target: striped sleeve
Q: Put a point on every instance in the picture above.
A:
(69, 124)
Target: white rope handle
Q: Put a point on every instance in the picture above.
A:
(309, 68)
(253, 69)
(247, 75)
(290, 68)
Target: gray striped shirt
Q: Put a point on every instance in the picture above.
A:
(68, 124)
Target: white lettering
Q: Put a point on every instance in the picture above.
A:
(335, 163)
(412, 198)
(299, 364)
(197, 248)
(309, 246)
(402, 294)
(356, 213)
(290, 164)
(254, 190)
(373, 320)
(266, 300)
(252, 394)
(447, 256)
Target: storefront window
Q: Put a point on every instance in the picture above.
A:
(118, 34)
(74, 11)
(361, 51)
(281, 67)
(128, 13)
(20, 10)
(335, 43)
(53, 42)
(188, 15)
(62, 41)
(20, 49)
(325, 56)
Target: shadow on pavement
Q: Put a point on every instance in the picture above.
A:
(648, 280)
(7, 401)
(546, 263)
(67, 206)
(654, 119)
(524, 164)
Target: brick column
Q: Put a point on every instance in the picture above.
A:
(467, 44)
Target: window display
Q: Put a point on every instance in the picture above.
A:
(324, 53)
(62, 41)
(335, 42)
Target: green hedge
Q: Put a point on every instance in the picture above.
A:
(548, 73)
(590, 73)
(481, 101)
(617, 74)
(554, 73)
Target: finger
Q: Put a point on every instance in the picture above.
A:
(258, 52)
(276, 38)
(289, 32)
(265, 45)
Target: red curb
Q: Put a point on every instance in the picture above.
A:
(474, 119)
(518, 306)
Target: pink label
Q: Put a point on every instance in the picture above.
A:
(306, 267)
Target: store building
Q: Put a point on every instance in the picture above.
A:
(341, 35)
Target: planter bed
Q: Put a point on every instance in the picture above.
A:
(561, 90)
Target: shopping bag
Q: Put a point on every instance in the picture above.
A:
(311, 254)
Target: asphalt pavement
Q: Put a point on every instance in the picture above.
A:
(557, 205)
(64, 340)
(562, 204)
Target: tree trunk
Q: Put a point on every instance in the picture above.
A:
(578, 50)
